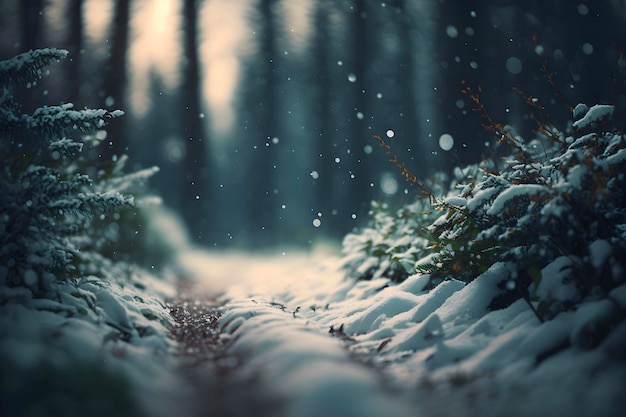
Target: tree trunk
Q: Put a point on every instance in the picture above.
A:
(358, 180)
(197, 195)
(325, 184)
(31, 17)
(115, 79)
(263, 192)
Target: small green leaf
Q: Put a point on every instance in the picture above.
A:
(535, 274)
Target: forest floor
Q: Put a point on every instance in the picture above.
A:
(289, 335)
(218, 378)
(216, 385)
(205, 364)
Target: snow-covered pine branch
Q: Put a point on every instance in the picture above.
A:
(51, 123)
(26, 68)
(128, 182)
(65, 147)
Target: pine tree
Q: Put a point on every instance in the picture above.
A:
(68, 221)
(47, 200)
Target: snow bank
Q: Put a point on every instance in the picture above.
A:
(117, 329)
(328, 345)
(304, 365)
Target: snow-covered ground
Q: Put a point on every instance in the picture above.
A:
(100, 348)
(319, 343)
(397, 350)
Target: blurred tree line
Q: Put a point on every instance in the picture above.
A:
(300, 162)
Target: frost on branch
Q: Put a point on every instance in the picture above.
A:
(50, 123)
(66, 147)
(30, 132)
(116, 179)
(27, 67)
(591, 115)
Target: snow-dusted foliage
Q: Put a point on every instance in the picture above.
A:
(49, 204)
(26, 68)
(69, 312)
(553, 211)
(391, 244)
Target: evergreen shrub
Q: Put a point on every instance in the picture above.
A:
(53, 215)
(554, 211)
(79, 325)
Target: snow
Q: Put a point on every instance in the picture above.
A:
(580, 110)
(117, 325)
(320, 342)
(554, 280)
(599, 251)
(325, 342)
(446, 141)
(617, 158)
(28, 66)
(595, 114)
(456, 201)
(328, 345)
(506, 197)
(304, 365)
(514, 65)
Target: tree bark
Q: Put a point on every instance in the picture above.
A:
(197, 209)
(31, 17)
(263, 200)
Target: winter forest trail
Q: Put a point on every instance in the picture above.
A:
(289, 335)
(215, 388)
(205, 365)
(226, 382)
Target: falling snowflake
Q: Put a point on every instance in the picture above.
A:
(446, 142)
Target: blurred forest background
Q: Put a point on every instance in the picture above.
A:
(261, 113)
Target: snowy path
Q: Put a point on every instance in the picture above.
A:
(396, 350)
(205, 364)
(276, 363)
